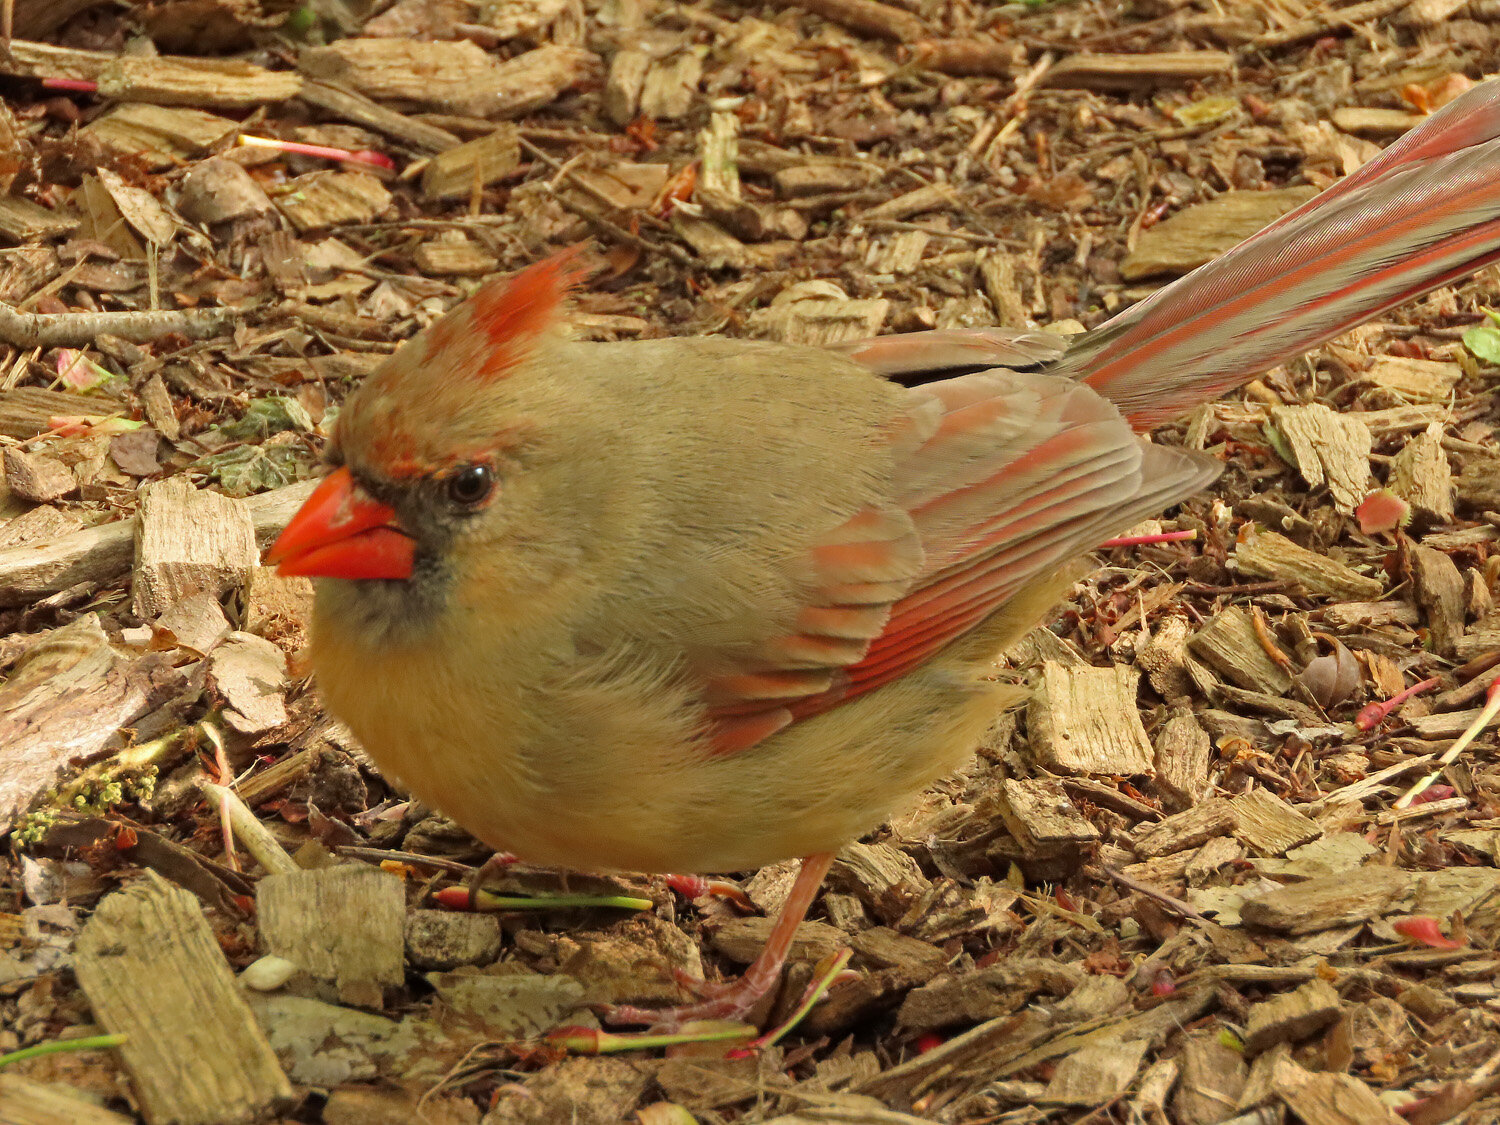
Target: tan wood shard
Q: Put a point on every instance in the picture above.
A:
(152, 970)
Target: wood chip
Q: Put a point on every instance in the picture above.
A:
(248, 673)
(460, 172)
(1190, 828)
(23, 1102)
(189, 540)
(1373, 121)
(1212, 1079)
(1183, 751)
(1096, 1073)
(152, 970)
(1039, 814)
(1337, 1099)
(1274, 556)
(884, 21)
(170, 80)
(671, 86)
(362, 111)
(1202, 232)
(325, 199)
(1439, 590)
(1136, 72)
(1269, 826)
(1085, 721)
(65, 701)
(1230, 646)
(159, 136)
(1330, 448)
(1422, 476)
(1292, 1016)
(1325, 903)
(35, 477)
(342, 925)
(454, 77)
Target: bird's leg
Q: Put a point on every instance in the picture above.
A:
(732, 1001)
(497, 863)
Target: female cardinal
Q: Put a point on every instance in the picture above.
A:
(704, 604)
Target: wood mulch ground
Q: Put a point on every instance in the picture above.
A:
(1177, 887)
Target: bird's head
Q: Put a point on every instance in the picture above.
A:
(422, 450)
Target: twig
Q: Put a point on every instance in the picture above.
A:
(1176, 905)
(76, 330)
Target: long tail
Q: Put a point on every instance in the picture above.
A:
(1424, 213)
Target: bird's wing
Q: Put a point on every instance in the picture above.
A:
(921, 357)
(999, 477)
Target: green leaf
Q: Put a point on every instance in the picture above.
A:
(246, 469)
(1484, 342)
(267, 416)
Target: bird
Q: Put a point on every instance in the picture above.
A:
(699, 605)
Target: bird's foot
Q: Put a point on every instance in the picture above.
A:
(730, 1000)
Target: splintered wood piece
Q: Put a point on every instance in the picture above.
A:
(460, 172)
(1095, 1074)
(1183, 751)
(1274, 556)
(1202, 232)
(453, 258)
(1439, 590)
(1330, 901)
(1372, 121)
(152, 970)
(869, 17)
(998, 271)
(1213, 1077)
(1268, 825)
(719, 155)
(1190, 828)
(341, 925)
(1422, 476)
(622, 87)
(1136, 72)
(1085, 720)
(248, 674)
(169, 80)
(873, 871)
(65, 701)
(1230, 646)
(96, 555)
(187, 540)
(711, 242)
(27, 222)
(671, 86)
(1336, 1099)
(35, 477)
(1040, 815)
(1327, 448)
(360, 110)
(821, 321)
(1415, 380)
(23, 1102)
(160, 136)
(325, 199)
(1292, 1016)
(818, 177)
(450, 76)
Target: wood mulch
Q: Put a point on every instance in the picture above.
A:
(1178, 886)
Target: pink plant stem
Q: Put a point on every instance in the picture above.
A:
(80, 85)
(1147, 540)
(1373, 714)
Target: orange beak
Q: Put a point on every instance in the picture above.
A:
(340, 532)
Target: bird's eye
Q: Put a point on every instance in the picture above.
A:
(471, 485)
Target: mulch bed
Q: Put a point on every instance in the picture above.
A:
(1207, 906)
